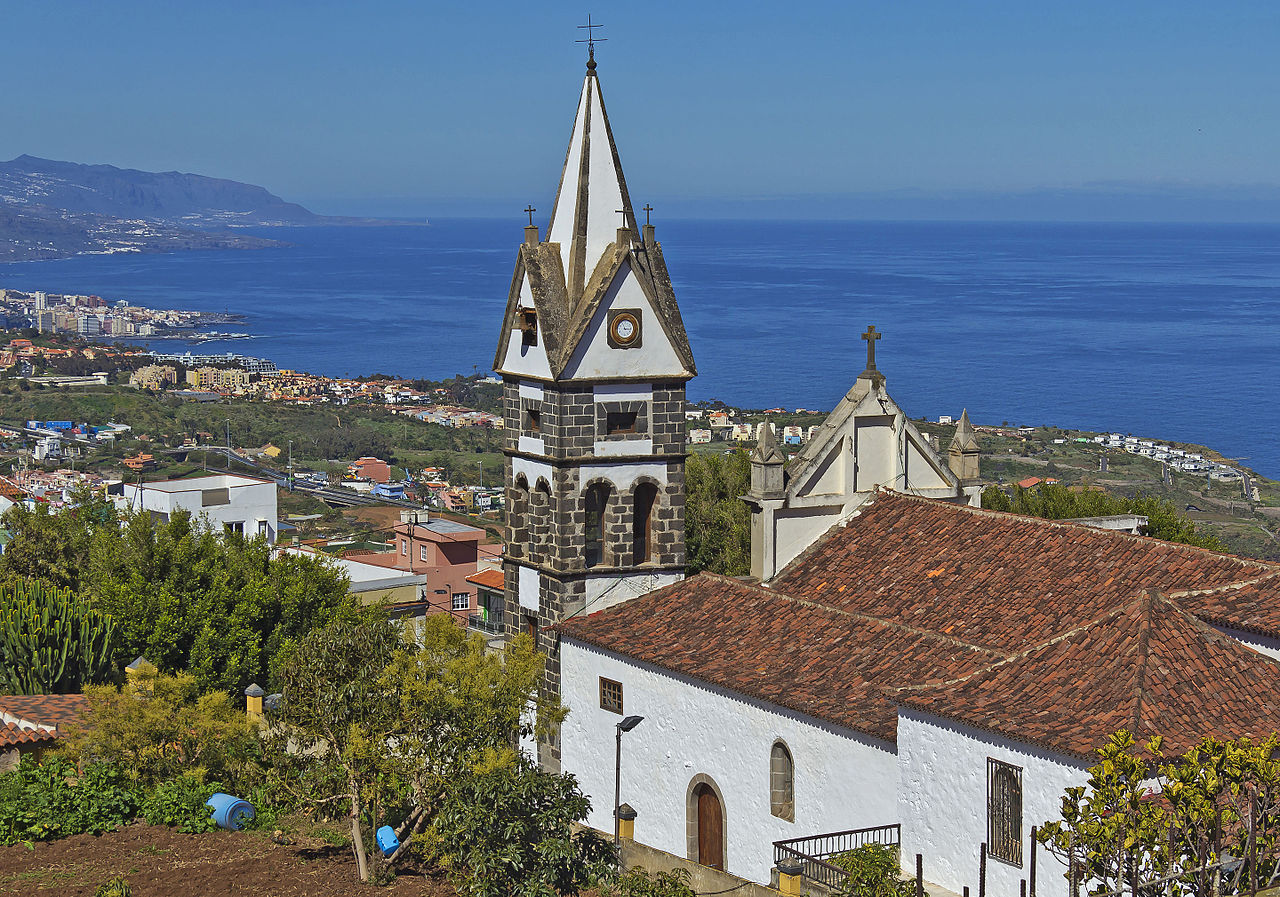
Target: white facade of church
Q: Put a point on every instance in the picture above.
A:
(695, 732)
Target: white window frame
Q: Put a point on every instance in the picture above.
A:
(465, 597)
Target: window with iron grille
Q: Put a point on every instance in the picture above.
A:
(610, 695)
(1004, 811)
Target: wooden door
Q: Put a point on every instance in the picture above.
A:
(710, 829)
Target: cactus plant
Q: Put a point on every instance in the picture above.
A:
(51, 641)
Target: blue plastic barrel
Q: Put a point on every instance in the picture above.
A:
(387, 840)
(230, 812)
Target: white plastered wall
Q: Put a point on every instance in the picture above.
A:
(942, 803)
(527, 361)
(654, 357)
(843, 779)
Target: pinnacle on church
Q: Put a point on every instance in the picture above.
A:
(767, 451)
(592, 202)
(966, 438)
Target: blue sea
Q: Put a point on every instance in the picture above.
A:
(1162, 330)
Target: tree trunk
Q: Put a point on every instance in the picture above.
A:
(357, 839)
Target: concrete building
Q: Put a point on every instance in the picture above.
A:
(237, 504)
(445, 552)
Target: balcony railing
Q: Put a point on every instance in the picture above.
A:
(491, 626)
(813, 852)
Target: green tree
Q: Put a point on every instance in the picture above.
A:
(447, 704)
(184, 597)
(51, 642)
(1054, 501)
(338, 714)
(507, 831)
(1110, 826)
(717, 522)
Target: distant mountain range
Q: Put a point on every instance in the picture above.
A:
(54, 209)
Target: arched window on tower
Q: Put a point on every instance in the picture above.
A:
(519, 516)
(597, 502)
(642, 547)
(782, 783)
(540, 523)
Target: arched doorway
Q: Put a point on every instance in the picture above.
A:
(710, 826)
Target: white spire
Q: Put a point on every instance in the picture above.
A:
(585, 218)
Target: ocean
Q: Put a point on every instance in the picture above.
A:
(1162, 330)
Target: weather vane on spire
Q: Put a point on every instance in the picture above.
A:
(591, 40)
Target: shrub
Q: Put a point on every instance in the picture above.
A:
(160, 728)
(873, 872)
(114, 887)
(181, 803)
(43, 801)
(639, 883)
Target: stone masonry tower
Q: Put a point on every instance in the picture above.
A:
(594, 360)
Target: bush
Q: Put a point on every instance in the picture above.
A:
(181, 803)
(873, 872)
(114, 887)
(639, 883)
(159, 728)
(44, 801)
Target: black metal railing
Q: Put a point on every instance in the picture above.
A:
(491, 626)
(811, 853)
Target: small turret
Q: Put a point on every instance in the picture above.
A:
(964, 453)
(767, 481)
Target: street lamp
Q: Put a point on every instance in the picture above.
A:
(625, 726)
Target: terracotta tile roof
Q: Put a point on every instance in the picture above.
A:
(12, 735)
(489, 579)
(998, 580)
(48, 710)
(36, 711)
(1149, 666)
(814, 659)
(1252, 606)
(1037, 629)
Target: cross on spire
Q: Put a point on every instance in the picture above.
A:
(591, 40)
(871, 336)
(530, 209)
(647, 209)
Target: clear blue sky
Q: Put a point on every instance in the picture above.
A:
(385, 107)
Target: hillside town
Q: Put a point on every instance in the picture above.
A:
(555, 629)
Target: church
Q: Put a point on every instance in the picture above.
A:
(898, 660)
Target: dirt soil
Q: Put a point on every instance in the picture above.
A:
(159, 861)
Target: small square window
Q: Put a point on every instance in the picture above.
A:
(617, 423)
(610, 695)
(533, 420)
(461, 601)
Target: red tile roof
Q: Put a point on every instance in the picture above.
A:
(1037, 629)
(35, 711)
(1148, 666)
(489, 579)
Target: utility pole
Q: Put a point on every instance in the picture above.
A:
(290, 465)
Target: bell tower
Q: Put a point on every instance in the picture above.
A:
(594, 360)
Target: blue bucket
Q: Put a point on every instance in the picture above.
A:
(230, 812)
(387, 840)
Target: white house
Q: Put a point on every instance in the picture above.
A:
(925, 665)
(238, 504)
